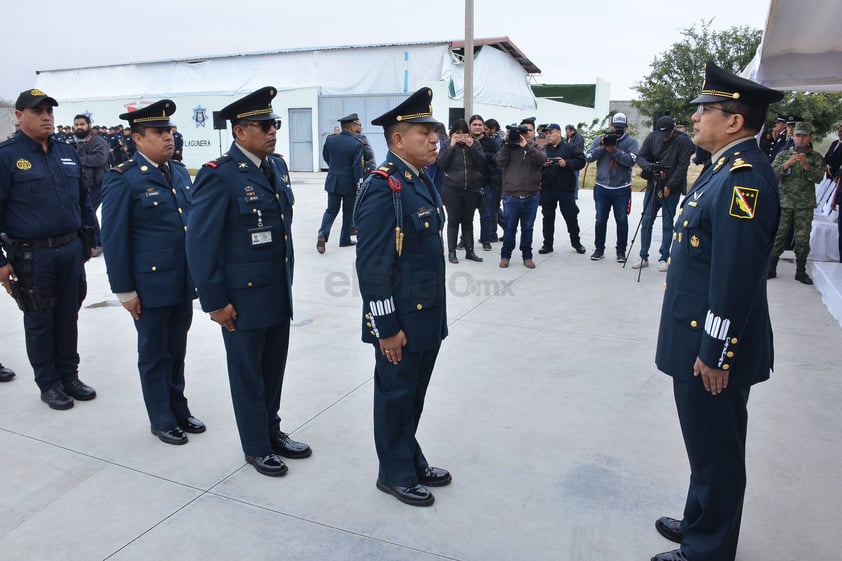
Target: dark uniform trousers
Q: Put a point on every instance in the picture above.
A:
(161, 348)
(335, 201)
(566, 202)
(714, 430)
(52, 334)
(256, 363)
(399, 392)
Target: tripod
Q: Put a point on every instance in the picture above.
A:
(657, 195)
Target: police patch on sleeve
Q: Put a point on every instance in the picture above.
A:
(744, 202)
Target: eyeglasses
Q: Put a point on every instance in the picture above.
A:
(265, 125)
(702, 108)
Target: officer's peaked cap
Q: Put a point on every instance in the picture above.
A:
(156, 115)
(256, 106)
(417, 108)
(720, 85)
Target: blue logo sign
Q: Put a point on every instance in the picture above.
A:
(200, 116)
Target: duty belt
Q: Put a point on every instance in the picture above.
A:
(57, 241)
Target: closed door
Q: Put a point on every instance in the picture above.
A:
(301, 139)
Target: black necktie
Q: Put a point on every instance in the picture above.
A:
(165, 169)
(267, 171)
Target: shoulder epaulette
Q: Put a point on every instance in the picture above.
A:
(278, 154)
(217, 162)
(120, 168)
(8, 141)
(739, 163)
(178, 163)
(386, 169)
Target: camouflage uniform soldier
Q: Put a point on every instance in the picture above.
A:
(798, 169)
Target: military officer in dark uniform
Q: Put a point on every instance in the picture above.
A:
(400, 265)
(343, 152)
(369, 163)
(45, 215)
(715, 338)
(145, 205)
(239, 248)
(178, 138)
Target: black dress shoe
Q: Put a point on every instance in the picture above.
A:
(192, 425)
(434, 477)
(670, 528)
(320, 244)
(284, 446)
(6, 374)
(57, 399)
(451, 256)
(173, 436)
(545, 249)
(77, 389)
(580, 249)
(270, 465)
(417, 495)
(674, 555)
(347, 244)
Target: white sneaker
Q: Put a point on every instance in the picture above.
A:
(641, 264)
(662, 266)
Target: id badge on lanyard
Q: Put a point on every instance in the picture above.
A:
(260, 236)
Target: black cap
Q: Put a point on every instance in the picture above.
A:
(417, 108)
(781, 118)
(792, 119)
(256, 106)
(349, 118)
(552, 127)
(156, 115)
(530, 120)
(33, 98)
(665, 125)
(720, 85)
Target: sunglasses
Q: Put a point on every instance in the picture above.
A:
(265, 125)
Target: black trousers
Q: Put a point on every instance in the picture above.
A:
(399, 392)
(256, 362)
(460, 205)
(714, 430)
(161, 348)
(566, 201)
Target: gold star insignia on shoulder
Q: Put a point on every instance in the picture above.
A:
(407, 175)
(243, 165)
(739, 163)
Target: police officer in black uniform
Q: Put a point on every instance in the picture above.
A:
(178, 138)
(239, 248)
(400, 265)
(715, 338)
(45, 215)
(145, 206)
(343, 152)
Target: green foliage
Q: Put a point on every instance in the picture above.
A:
(823, 110)
(678, 73)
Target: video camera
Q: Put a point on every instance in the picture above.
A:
(514, 133)
(611, 137)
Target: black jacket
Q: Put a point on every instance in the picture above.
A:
(672, 155)
(557, 178)
(464, 166)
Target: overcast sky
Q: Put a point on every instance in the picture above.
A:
(571, 42)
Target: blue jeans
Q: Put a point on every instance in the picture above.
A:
(650, 212)
(605, 200)
(518, 210)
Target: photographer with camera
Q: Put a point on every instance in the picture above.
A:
(558, 188)
(463, 162)
(522, 162)
(798, 169)
(615, 153)
(663, 159)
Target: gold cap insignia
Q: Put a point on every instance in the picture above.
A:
(37, 93)
(23, 164)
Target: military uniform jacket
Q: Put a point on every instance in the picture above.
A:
(41, 195)
(344, 154)
(798, 187)
(143, 232)
(715, 304)
(401, 290)
(231, 197)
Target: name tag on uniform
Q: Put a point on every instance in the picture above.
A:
(150, 194)
(252, 197)
(260, 236)
(425, 212)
